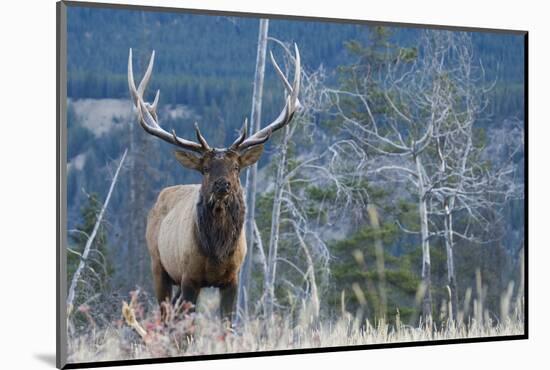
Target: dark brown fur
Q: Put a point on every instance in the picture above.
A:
(219, 224)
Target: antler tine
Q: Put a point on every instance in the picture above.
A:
(138, 93)
(292, 104)
(155, 104)
(280, 73)
(147, 76)
(147, 113)
(131, 83)
(241, 137)
(297, 79)
(201, 139)
(297, 75)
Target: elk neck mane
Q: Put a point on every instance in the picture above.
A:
(219, 225)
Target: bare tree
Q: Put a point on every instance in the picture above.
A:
(255, 119)
(325, 168)
(404, 102)
(468, 186)
(417, 124)
(461, 181)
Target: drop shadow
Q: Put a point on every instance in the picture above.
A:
(47, 358)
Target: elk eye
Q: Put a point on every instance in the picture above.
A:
(237, 168)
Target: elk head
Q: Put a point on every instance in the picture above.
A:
(220, 167)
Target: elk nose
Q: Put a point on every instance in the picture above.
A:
(221, 186)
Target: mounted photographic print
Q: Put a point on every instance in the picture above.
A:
(234, 184)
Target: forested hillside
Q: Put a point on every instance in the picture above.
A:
(366, 236)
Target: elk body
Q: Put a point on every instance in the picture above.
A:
(195, 233)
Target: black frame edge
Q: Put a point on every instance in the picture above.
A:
(526, 181)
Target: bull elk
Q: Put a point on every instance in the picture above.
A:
(195, 233)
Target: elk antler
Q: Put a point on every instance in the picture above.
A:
(241, 137)
(147, 113)
(292, 104)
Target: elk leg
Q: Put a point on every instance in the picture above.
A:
(176, 296)
(227, 302)
(189, 294)
(163, 287)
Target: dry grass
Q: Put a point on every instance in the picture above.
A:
(202, 333)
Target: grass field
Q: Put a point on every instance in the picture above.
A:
(143, 335)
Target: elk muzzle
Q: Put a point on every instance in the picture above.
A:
(221, 187)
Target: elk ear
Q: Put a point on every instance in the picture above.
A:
(189, 160)
(250, 156)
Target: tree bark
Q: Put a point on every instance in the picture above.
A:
(424, 234)
(269, 285)
(245, 276)
(451, 275)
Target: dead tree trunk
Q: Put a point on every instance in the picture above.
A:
(245, 276)
(89, 242)
(451, 276)
(269, 284)
(424, 235)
